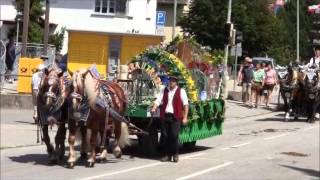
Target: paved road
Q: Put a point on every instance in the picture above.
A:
(255, 144)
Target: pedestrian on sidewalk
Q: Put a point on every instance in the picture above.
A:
(173, 111)
(269, 82)
(257, 85)
(246, 76)
(36, 80)
(10, 58)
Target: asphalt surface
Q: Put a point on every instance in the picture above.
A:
(255, 144)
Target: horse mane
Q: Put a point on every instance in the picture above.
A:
(90, 88)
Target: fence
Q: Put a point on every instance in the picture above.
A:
(33, 51)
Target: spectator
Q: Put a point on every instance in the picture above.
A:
(246, 76)
(257, 84)
(316, 59)
(269, 82)
(36, 80)
(10, 58)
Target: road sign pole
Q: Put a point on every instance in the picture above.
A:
(235, 68)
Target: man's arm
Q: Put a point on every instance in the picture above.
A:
(157, 102)
(185, 103)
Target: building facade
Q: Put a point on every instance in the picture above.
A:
(113, 16)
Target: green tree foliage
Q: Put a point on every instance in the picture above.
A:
(263, 32)
(35, 34)
(57, 39)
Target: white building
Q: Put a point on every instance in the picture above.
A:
(114, 16)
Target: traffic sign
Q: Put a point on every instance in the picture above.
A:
(161, 18)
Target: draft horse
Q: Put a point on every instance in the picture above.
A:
(52, 109)
(98, 101)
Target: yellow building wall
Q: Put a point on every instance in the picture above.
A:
(86, 49)
(27, 66)
(133, 45)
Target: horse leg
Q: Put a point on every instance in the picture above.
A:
(72, 139)
(46, 140)
(93, 142)
(103, 146)
(83, 131)
(59, 140)
(121, 138)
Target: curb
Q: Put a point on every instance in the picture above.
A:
(16, 101)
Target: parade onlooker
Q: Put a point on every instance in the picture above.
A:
(10, 58)
(257, 84)
(173, 111)
(36, 80)
(316, 59)
(246, 76)
(269, 82)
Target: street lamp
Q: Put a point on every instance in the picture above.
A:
(19, 15)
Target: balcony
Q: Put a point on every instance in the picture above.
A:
(183, 2)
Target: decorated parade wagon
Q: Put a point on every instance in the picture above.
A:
(148, 73)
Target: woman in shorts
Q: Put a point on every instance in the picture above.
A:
(257, 85)
(269, 82)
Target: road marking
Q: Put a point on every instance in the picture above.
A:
(137, 168)
(236, 146)
(239, 145)
(205, 171)
(274, 137)
(312, 127)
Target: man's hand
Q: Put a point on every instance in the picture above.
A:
(153, 109)
(185, 121)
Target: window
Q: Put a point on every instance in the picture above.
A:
(110, 6)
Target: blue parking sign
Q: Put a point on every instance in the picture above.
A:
(161, 18)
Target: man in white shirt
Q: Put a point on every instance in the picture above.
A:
(36, 80)
(173, 111)
(315, 59)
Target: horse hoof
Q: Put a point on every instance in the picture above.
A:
(90, 164)
(70, 165)
(101, 160)
(118, 155)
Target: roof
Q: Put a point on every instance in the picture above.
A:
(114, 33)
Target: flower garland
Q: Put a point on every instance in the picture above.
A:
(160, 64)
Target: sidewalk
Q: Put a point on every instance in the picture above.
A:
(18, 130)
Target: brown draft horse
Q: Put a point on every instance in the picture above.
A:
(85, 85)
(52, 109)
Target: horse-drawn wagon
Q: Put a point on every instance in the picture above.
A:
(148, 74)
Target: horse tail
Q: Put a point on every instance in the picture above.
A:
(124, 137)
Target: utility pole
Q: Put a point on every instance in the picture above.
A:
(25, 27)
(46, 28)
(298, 32)
(174, 19)
(226, 54)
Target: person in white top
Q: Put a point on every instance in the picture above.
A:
(173, 111)
(35, 83)
(315, 59)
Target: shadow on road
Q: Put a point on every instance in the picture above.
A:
(280, 117)
(309, 172)
(25, 122)
(135, 150)
(36, 159)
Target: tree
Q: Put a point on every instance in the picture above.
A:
(35, 34)
(57, 39)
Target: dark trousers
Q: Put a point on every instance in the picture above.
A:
(170, 133)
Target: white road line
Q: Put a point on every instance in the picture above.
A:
(274, 137)
(312, 127)
(239, 145)
(136, 168)
(236, 146)
(205, 171)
